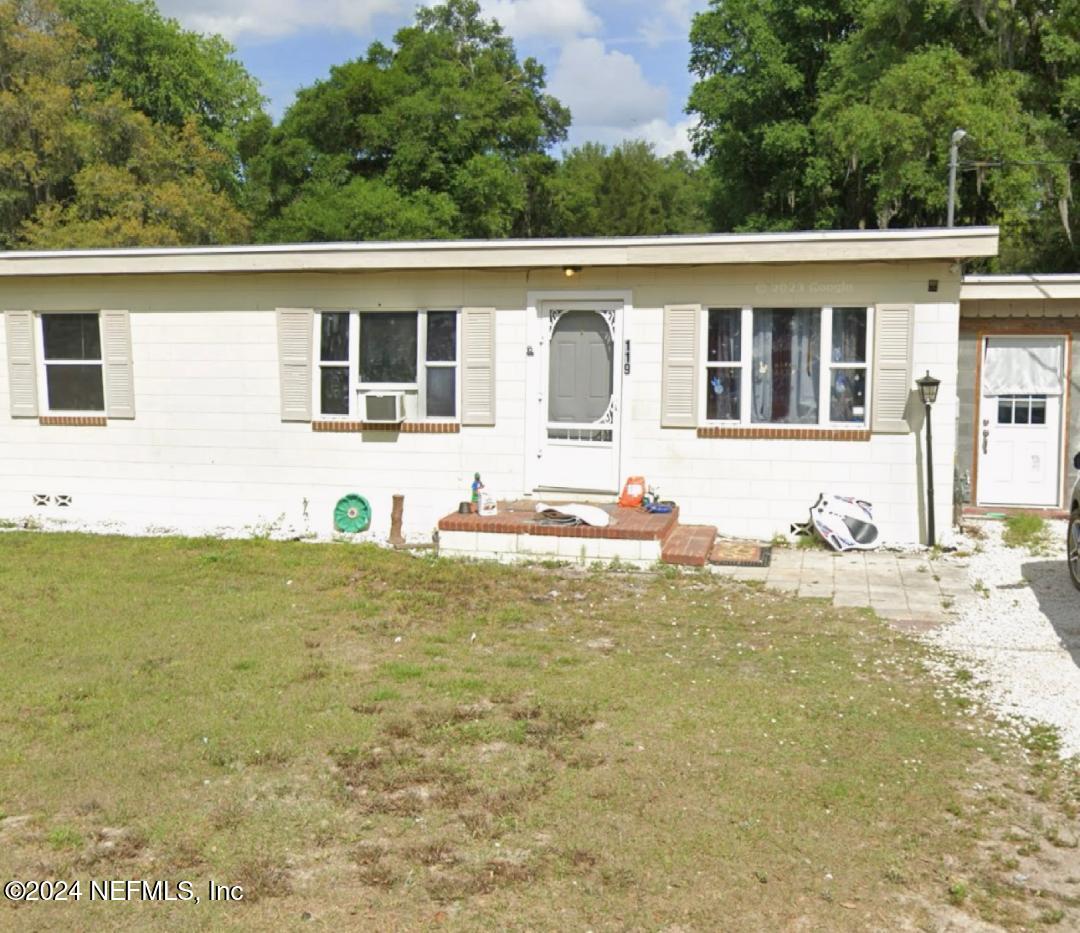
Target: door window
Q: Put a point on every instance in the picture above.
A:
(1021, 409)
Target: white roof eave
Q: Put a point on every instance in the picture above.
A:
(715, 249)
(1064, 287)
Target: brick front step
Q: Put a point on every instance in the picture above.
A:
(520, 518)
(689, 545)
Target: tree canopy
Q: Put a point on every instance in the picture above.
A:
(443, 134)
(81, 166)
(817, 113)
(626, 191)
(168, 73)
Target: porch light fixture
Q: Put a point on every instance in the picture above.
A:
(571, 271)
(928, 390)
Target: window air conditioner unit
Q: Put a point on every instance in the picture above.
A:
(384, 407)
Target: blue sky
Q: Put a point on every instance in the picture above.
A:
(620, 65)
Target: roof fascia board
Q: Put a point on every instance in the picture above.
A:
(723, 249)
(1020, 287)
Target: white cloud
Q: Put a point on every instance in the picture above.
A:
(543, 19)
(670, 22)
(272, 19)
(604, 87)
(667, 137)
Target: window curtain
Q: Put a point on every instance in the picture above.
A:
(786, 365)
(1016, 366)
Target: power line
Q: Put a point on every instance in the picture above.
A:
(973, 164)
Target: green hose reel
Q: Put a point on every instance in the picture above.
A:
(352, 514)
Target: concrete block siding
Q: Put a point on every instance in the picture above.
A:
(208, 451)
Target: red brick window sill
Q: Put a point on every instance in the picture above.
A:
(406, 427)
(784, 434)
(73, 421)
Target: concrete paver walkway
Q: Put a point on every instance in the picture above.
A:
(906, 588)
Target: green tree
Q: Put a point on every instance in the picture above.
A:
(758, 64)
(626, 191)
(82, 168)
(447, 117)
(170, 74)
(846, 123)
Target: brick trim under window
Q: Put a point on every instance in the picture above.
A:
(784, 434)
(406, 427)
(73, 421)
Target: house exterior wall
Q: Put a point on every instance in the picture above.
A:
(981, 318)
(208, 452)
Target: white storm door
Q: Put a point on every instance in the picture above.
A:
(1019, 431)
(579, 396)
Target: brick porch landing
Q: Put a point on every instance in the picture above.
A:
(521, 518)
(633, 536)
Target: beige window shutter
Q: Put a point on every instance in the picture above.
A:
(894, 328)
(679, 378)
(119, 371)
(22, 371)
(478, 366)
(295, 349)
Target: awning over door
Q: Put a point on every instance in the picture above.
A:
(1022, 366)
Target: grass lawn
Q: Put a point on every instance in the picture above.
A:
(364, 739)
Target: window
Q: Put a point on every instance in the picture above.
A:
(723, 367)
(388, 349)
(847, 367)
(334, 364)
(71, 353)
(766, 366)
(1021, 409)
(440, 361)
(414, 352)
(787, 354)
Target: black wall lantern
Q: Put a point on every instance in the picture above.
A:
(928, 390)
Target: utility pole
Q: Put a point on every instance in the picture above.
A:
(954, 155)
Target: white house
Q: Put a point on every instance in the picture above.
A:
(239, 388)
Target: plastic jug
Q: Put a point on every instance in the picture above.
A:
(633, 492)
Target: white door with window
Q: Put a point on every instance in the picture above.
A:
(577, 385)
(1020, 420)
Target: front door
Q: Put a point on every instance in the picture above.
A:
(1019, 431)
(578, 397)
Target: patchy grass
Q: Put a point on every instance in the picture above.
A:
(372, 740)
(811, 541)
(1026, 531)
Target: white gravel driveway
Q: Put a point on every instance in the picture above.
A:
(1020, 632)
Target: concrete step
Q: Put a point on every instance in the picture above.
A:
(689, 545)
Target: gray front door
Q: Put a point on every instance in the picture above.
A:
(582, 369)
(578, 445)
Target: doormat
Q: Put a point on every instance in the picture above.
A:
(740, 554)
